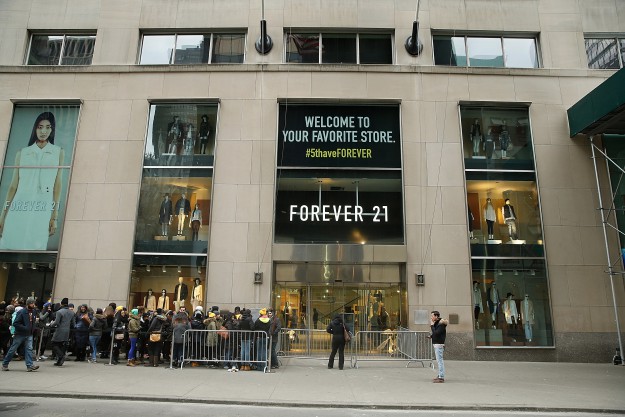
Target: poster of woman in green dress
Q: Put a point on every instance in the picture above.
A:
(35, 175)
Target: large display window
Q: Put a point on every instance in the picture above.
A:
(33, 191)
(339, 175)
(510, 303)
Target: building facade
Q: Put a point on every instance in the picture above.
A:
(153, 156)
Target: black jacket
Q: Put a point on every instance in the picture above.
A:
(336, 329)
(439, 332)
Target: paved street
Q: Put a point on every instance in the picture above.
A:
(518, 386)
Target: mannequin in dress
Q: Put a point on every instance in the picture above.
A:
(527, 316)
(183, 209)
(504, 140)
(510, 310)
(489, 144)
(510, 218)
(476, 136)
(195, 222)
(189, 142)
(165, 215)
(477, 303)
(163, 300)
(493, 301)
(149, 301)
(181, 292)
(490, 216)
(197, 296)
(470, 220)
(203, 133)
(174, 135)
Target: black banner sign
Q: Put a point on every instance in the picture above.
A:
(320, 135)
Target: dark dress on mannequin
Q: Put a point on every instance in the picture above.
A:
(203, 133)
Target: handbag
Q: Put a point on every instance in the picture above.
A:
(223, 333)
(155, 337)
(119, 336)
(347, 335)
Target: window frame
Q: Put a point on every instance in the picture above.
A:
(172, 60)
(501, 36)
(618, 37)
(320, 33)
(65, 35)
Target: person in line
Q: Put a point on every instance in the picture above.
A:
(134, 325)
(263, 323)
(82, 321)
(95, 333)
(336, 328)
(247, 326)
(439, 332)
(181, 325)
(211, 339)
(45, 316)
(25, 326)
(155, 332)
(274, 333)
(63, 323)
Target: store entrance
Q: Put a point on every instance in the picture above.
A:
(312, 306)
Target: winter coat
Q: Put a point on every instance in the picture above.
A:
(336, 329)
(179, 329)
(211, 336)
(134, 325)
(439, 331)
(97, 325)
(247, 325)
(263, 323)
(24, 322)
(63, 322)
(275, 327)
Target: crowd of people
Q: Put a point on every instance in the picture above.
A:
(233, 340)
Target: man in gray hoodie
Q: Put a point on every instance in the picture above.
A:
(63, 322)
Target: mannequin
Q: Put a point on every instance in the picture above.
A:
(163, 300)
(476, 136)
(490, 216)
(15, 299)
(197, 294)
(149, 301)
(183, 209)
(195, 222)
(165, 215)
(509, 309)
(174, 135)
(470, 220)
(477, 303)
(509, 216)
(204, 133)
(189, 142)
(527, 315)
(489, 144)
(493, 303)
(504, 140)
(181, 292)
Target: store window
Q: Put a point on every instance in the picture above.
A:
(339, 175)
(605, 52)
(510, 299)
(485, 51)
(61, 49)
(33, 188)
(188, 49)
(339, 48)
(173, 219)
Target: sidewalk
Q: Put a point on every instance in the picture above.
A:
(469, 385)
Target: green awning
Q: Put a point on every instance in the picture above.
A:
(602, 110)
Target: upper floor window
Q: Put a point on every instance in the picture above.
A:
(186, 49)
(605, 53)
(339, 48)
(485, 51)
(61, 49)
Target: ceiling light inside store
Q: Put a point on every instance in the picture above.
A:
(51, 265)
(500, 272)
(33, 266)
(199, 270)
(20, 265)
(516, 272)
(147, 268)
(532, 272)
(164, 269)
(179, 269)
(5, 265)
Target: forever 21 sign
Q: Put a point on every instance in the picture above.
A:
(320, 135)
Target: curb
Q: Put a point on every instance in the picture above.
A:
(407, 407)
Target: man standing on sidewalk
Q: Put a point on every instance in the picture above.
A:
(24, 324)
(439, 332)
(62, 323)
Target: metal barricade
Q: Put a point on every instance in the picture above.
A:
(392, 345)
(230, 349)
(304, 344)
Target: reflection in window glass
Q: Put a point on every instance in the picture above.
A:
(78, 50)
(192, 49)
(157, 49)
(338, 48)
(375, 49)
(449, 50)
(485, 52)
(602, 53)
(302, 48)
(228, 48)
(520, 53)
(622, 49)
(511, 305)
(45, 50)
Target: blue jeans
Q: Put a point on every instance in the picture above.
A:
(438, 351)
(93, 342)
(133, 347)
(245, 352)
(261, 353)
(18, 340)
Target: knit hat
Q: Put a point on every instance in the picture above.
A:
(134, 311)
(98, 311)
(199, 308)
(211, 315)
(118, 308)
(64, 302)
(30, 300)
(263, 311)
